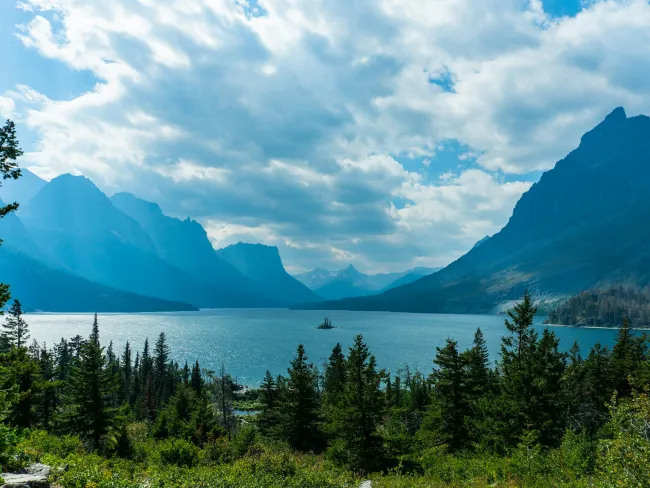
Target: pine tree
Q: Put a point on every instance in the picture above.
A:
(16, 330)
(335, 376)
(9, 153)
(223, 396)
(479, 375)
(624, 360)
(90, 389)
(186, 374)
(161, 356)
(451, 395)
(22, 377)
(47, 389)
(127, 374)
(301, 417)
(357, 416)
(196, 382)
(522, 317)
(269, 398)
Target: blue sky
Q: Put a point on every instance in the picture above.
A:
(385, 135)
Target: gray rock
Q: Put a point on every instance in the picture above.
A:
(366, 484)
(35, 476)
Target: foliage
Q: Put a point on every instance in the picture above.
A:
(604, 307)
(538, 418)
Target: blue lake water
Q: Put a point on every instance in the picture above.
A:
(250, 341)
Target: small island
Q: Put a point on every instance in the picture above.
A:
(327, 324)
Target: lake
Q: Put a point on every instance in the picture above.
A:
(250, 341)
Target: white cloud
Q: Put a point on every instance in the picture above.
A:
(288, 125)
(7, 106)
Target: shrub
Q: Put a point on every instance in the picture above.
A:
(178, 452)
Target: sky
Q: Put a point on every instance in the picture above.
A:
(386, 134)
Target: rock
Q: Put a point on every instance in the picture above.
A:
(366, 484)
(35, 476)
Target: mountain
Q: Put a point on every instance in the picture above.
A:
(347, 282)
(42, 288)
(185, 244)
(22, 189)
(15, 236)
(411, 276)
(481, 241)
(85, 234)
(263, 265)
(350, 282)
(582, 225)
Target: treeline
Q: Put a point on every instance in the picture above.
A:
(79, 387)
(535, 399)
(604, 308)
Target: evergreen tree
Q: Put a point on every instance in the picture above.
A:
(90, 390)
(9, 153)
(451, 395)
(150, 403)
(357, 416)
(269, 398)
(186, 374)
(47, 389)
(161, 356)
(625, 359)
(62, 359)
(301, 418)
(479, 375)
(222, 388)
(522, 316)
(16, 330)
(127, 374)
(196, 382)
(22, 377)
(335, 376)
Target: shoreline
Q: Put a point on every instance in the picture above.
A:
(592, 327)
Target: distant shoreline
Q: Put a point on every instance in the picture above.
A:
(594, 327)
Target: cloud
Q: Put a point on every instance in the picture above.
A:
(286, 121)
(7, 107)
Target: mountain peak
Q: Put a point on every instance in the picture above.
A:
(617, 114)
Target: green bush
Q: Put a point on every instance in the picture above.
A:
(178, 452)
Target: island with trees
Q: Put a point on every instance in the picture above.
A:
(326, 324)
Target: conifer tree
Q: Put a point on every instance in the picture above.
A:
(22, 377)
(357, 416)
(196, 382)
(127, 374)
(185, 376)
(47, 389)
(335, 376)
(269, 398)
(301, 417)
(161, 356)
(16, 330)
(522, 316)
(9, 153)
(91, 386)
(624, 359)
(479, 376)
(451, 394)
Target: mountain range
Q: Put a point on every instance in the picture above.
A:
(581, 225)
(350, 282)
(72, 248)
(126, 255)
